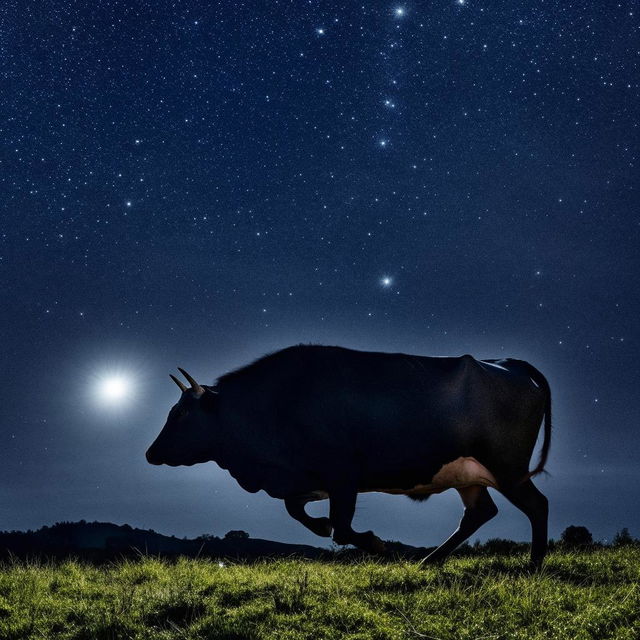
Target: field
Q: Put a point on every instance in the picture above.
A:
(577, 595)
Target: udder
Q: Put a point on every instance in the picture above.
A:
(463, 472)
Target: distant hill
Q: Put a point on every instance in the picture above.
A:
(96, 540)
(102, 541)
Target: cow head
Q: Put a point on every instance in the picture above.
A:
(188, 435)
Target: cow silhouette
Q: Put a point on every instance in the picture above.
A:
(312, 422)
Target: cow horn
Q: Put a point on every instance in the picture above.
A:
(194, 385)
(180, 384)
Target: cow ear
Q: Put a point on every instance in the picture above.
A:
(209, 399)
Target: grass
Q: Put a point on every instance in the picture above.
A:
(577, 595)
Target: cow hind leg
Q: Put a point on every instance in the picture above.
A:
(535, 506)
(295, 508)
(478, 509)
(342, 506)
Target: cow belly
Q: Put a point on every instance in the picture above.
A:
(463, 472)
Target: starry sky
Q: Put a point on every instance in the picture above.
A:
(196, 184)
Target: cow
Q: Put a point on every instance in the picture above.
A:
(311, 422)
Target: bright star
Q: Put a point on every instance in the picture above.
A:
(383, 143)
(320, 32)
(399, 12)
(386, 281)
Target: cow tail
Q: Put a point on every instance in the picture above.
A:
(546, 442)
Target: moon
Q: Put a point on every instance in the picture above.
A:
(113, 389)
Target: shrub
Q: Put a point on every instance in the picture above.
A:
(623, 538)
(576, 536)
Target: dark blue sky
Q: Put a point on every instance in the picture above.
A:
(198, 183)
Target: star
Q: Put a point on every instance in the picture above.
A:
(399, 11)
(383, 143)
(386, 281)
(320, 31)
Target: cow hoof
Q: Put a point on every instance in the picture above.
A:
(321, 527)
(370, 542)
(366, 541)
(378, 546)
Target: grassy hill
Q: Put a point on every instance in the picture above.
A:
(578, 595)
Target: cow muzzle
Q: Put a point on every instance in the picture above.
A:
(152, 457)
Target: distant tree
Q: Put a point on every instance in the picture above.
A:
(205, 537)
(623, 538)
(576, 536)
(236, 535)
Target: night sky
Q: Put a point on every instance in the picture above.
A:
(196, 184)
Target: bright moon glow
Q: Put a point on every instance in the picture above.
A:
(113, 389)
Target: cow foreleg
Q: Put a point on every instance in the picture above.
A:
(479, 508)
(342, 506)
(295, 508)
(535, 506)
